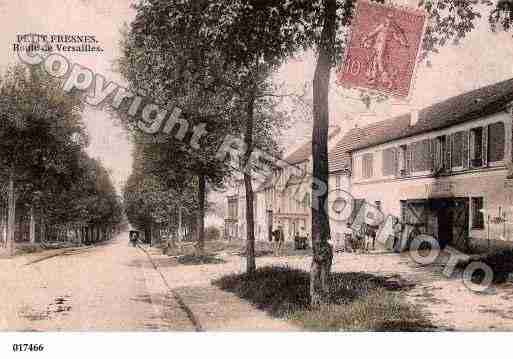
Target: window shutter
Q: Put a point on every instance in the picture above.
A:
(496, 142)
(432, 151)
(408, 160)
(396, 161)
(485, 146)
(371, 165)
(447, 153)
(465, 149)
(437, 158)
(411, 158)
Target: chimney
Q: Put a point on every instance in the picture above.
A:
(414, 117)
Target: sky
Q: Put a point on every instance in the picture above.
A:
(481, 59)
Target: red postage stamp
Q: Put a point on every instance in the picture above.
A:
(383, 48)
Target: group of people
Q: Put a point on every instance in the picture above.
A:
(363, 239)
(277, 241)
(301, 240)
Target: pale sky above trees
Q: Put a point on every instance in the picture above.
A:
(482, 58)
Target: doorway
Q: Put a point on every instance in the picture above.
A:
(446, 219)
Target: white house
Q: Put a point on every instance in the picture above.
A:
(444, 169)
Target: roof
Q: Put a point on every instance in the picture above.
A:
(304, 152)
(455, 110)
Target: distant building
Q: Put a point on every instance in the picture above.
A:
(231, 229)
(284, 199)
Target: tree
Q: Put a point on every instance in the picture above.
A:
(91, 207)
(278, 29)
(155, 192)
(42, 141)
(184, 34)
(186, 71)
(40, 137)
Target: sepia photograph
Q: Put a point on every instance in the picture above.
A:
(300, 177)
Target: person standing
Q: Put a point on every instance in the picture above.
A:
(281, 241)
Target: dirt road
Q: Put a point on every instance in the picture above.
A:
(110, 287)
(115, 287)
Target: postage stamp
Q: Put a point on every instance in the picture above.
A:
(383, 48)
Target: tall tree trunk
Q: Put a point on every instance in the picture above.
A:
(32, 225)
(322, 252)
(11, 216)
(43, 228)
(147, 233)
(3, 227)
(180, 229)
(200, 245)
(250, 217)
(152, 236)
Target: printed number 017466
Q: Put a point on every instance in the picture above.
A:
(28, 347)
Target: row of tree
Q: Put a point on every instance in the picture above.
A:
(158, 200)
(214, 60)
(44, 169)
(164, 55)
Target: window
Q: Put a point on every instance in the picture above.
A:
(389, 161)
(337, 181)
(476, 147)
(367, 165)
(291, 200)
(457, 149)
(477, 213)
(496, 142)
(440, 153)
(421, 156)
(306, 200)
(378, 205)
(403, 160)
(232, 209)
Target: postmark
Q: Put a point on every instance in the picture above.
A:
(383, 48)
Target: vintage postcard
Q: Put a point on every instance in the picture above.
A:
(176, 166)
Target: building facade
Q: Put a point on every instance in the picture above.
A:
(444, 170)
(284, 199)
